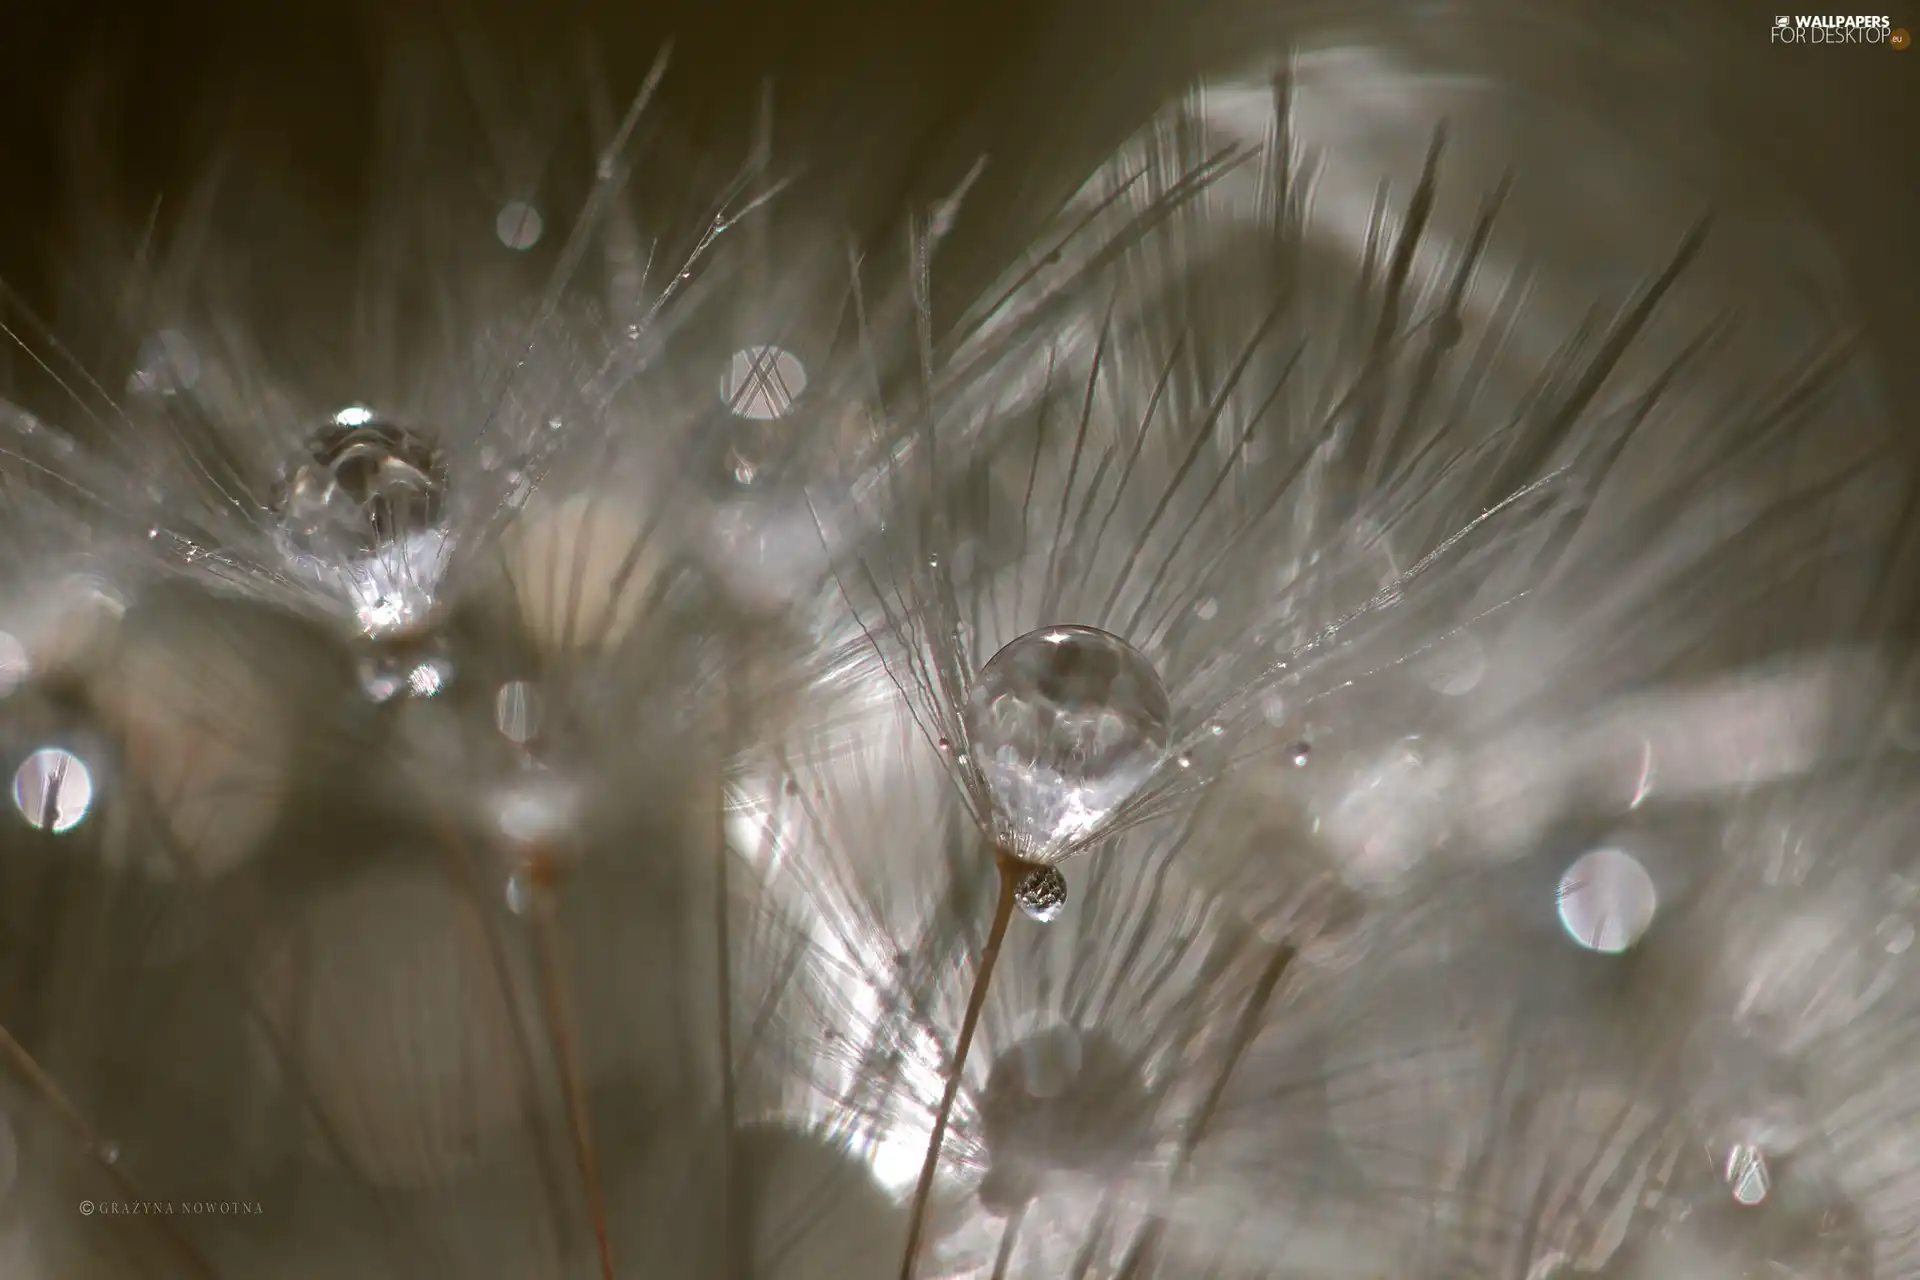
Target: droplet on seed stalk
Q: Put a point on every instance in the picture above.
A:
(364, 514)
(1067, 724)
(1042, 894)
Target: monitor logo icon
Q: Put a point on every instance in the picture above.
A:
(1782, 20)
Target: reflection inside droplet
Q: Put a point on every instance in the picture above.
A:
(763, 382)
(53, 790)
(1607, 901)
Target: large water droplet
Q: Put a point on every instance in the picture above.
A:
(1067, 724)
(1042, 894)
(365, 515)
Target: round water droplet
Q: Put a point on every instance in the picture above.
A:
(1895, 934)
(1299, 754)
(108, 1152)
(365, 515)
(53, 790)
(1068, 723)
(1184, 761)
(1042, 894)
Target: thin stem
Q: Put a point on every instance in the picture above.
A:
(43, 1084)
(558, 1026)
(1011, 869)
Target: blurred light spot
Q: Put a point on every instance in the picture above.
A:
(1747, 1173)
(763, 382)
(537, 809)
(1895, 934)
(897, 1156)
(354, 415)
(519, 894)
(516, 711)
(1607, 901)
(15, 664)
(519, 225)
(1207, 609)
(53, 790)
(167, 364)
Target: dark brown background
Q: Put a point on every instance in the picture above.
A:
(892, 97)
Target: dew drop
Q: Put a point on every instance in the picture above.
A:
(1747, 1174)
(1299, 754)
(364, 515)
(1184, 761)
(1042, 894)
(1069, 722)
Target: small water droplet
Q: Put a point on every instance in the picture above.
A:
(945, 745)
(1299, 754)
(1895, 935)
(109, 1152)
(961, 759)
(1216, 729)
(1042, 894)
(1184, 761)
(1747, 1175)
(1207, 609)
